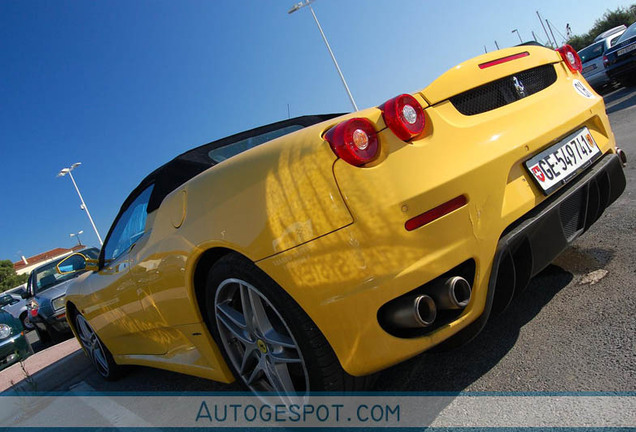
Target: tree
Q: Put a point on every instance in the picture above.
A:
(610, 19)
(8, 278)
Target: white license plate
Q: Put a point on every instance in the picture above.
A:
(561, 162)
(589, 68)
(626, 49)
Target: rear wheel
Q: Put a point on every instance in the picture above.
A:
(96, 351)
(43, 336)
(269, 342)
(628, 81)
(26, 322)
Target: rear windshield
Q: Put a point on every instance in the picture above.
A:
(631, 31)
(592, 52)
(613, 40)
(222, 153)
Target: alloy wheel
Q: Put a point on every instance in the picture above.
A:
(258, 341)
(92, 345)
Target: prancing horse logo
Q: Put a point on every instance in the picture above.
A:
(519, 87)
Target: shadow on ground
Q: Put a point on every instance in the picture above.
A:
(455, 370)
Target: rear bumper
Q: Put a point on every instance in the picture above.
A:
(598, 79)
(532, 242)
(621, 70)
(57, 322)
(550, 227)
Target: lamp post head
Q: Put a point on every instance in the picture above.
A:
(65, 171)
(299, 5)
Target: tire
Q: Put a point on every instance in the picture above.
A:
(279, 348)
(96, 351)
(44, 336)
(57, 336)
(628, 81)
(26, 323)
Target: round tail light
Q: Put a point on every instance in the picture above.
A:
(354, 140)
(571, 58)
(404, 116)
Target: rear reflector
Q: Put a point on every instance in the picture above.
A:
(503, 60)
(436, 213)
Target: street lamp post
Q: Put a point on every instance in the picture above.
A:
(301, 5)
(518, 34)
(68, 170)
(77, 234)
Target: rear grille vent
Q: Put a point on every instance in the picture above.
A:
(572, 212)
(504, 91)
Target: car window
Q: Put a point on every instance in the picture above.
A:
(47, 275)
(613, 40)
(7, 300)
(129, 227)
(631, 31)
(592, 52)
(226, 152)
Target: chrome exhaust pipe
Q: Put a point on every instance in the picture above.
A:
(411, 312)
(622, 156)
(453, 293)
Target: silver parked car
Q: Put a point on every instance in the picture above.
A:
(18, 309)
(592, 58)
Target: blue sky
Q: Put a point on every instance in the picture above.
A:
(123, 86)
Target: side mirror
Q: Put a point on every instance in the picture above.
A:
(76, 262)
(92, 264)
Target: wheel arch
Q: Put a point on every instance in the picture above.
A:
(71, 313)
(204, 263)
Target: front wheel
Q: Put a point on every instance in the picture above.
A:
(26, 322)
(269, 342)
(97, 353)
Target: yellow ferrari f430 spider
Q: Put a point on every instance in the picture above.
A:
(308, 254)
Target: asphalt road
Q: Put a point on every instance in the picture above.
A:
(573, 329)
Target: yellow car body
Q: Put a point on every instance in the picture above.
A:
(333, 235)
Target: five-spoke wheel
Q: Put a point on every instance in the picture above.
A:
(257, 340)
(268, 340)
(95, 350)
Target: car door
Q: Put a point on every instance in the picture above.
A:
(117, 314)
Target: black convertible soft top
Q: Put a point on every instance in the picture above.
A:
(187, 165)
